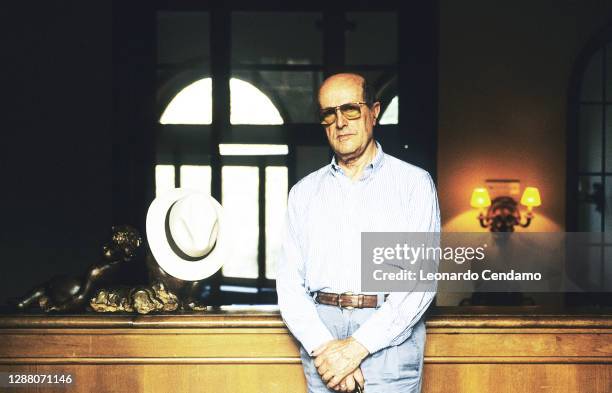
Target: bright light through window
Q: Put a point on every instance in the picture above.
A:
(193, 105)
(240, 189)
(276, 206)
(235, 149)
(164, 178)
(250, 106)
(390, 115)
(196, 177)
(240, 184)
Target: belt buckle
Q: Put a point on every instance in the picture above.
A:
(340, 303)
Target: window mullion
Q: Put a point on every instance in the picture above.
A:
(261, 251)
(220, 39)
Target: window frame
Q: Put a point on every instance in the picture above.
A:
(290, 133)
(573, 172)
(135, 92)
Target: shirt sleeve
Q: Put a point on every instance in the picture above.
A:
(297, 307)
(392, 323)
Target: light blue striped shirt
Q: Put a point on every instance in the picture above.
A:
(326, 213)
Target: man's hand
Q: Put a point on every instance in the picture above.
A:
(338, 358)
(350, 382)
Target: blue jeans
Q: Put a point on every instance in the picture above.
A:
(393, 369)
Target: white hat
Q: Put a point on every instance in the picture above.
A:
(187, 234)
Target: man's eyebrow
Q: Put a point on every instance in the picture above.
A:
(334, 107)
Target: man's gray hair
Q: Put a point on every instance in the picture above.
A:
(368, 93)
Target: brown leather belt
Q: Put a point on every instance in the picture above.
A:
(347, 300)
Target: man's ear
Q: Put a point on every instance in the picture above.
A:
(375, 111)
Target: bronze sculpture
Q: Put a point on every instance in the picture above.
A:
(164, 293)
(65, 294)
(140, 299)
(189, 216)
(73, 294)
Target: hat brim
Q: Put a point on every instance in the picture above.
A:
(167, 259)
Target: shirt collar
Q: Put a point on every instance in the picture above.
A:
(370, 168)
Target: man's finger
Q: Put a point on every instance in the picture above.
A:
(342, 386)
(327, 377)
(334, 381)
(358, 375)
(350, 383)
(323, 368)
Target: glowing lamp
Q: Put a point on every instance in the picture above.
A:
(502, 214)
(480, 198)
(531, 197)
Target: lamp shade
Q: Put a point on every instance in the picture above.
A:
(531, 197)
(480, 198)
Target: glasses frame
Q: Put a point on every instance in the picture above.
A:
(336, 108)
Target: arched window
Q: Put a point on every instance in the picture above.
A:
(389, 116)
(193, 105)
(265, 120)
(589, 174)
(241, 181)
(591, 154)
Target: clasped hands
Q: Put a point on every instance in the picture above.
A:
(338, 361)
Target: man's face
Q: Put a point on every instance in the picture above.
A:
(348, 138)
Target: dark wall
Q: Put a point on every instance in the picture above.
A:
(56, 150)
(503, 99)
(79, 121)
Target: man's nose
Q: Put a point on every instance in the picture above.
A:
(341, 121)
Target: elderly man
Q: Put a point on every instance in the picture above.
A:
(353, 340)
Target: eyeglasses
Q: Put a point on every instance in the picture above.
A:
(351, 111)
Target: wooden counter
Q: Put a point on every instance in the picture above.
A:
(250, 350)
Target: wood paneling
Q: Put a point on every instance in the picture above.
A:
(250, 351)
(172, 378)
(511, 378)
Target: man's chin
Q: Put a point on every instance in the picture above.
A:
(345, 150)
(346, 153)
(346, 147)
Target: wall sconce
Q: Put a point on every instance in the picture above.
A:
(503, 212)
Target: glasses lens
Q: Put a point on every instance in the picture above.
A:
(351, 111)
(328, 116)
